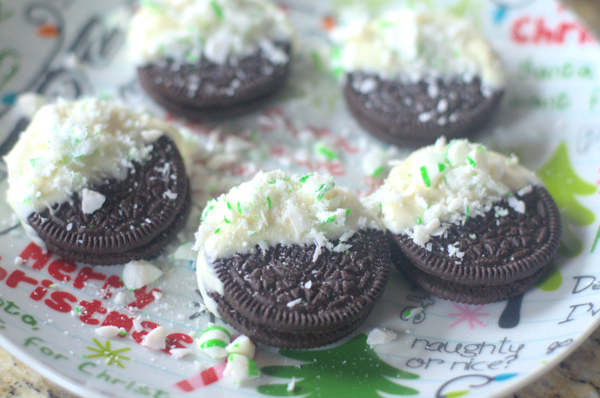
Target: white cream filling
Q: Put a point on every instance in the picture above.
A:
(414, 44)
(189, 29)
(276, 209)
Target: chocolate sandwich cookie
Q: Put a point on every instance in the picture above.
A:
(202, 59)
(283, 298)
(206, 90)
(468, 224)
(412, 76)
(405, 113)
(138, 218)
(490, 258)
(99, 183)
(291, 261)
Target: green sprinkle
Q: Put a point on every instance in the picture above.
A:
(253, 233)
(323, 189)
(206, 211)
(348, 211)
(331, 219)
(441, 167)
(269, 202)
(229, 205)
(34, 161)
(146, 314)
(91, 226)
(347, 252)
(122, 333)
(239, 207)
(419, 222)
(226, 220)
(306, 177)
(271, 182)
(468, 212)
(425, 176)
(377, 171)
(78, 310)
(217, 9)
(326, 151)
(217, 230)
(142, 224)
(471, 161)
(408, 313)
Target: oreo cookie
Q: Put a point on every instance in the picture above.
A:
(291, 261)
(414, 75)
(489, 258)
(283, 298)
(138, 217)
(206, 90)
(417, 113)
(211, 59)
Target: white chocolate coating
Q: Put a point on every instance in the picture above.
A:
(446, 183)
(189, 29)
(415, 44)
(276, 209)
(70, 145)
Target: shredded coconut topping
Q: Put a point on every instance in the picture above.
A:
(447, 184)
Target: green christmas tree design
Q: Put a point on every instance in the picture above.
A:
(563, 184)
(352, 369)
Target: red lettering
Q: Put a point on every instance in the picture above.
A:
(112, 283)
(33, 251)
(585, 36)
(139, 336)
(174, 340)
(40, 291)
(2, 273)
(517, 30)
(59, 265)
(562, 30)
(542, 33)
(142, 298)
(19, 276)
(84, 275)
(89, 310)
(58, 302)
(119, 320)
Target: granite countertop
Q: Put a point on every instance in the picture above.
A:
(578, 376)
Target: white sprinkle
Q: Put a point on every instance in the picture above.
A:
(119, 298)
(308, 285)
(156, 339)
(442, 106)
(516, 204)
(525, 191)
(69, 226)
(169, 194)
(107, 331)
(91, 201)
(442, 121)
(425, 117)
(151, 135)
(180, 352)
(19, 261)
(380, 336)
(294, 303)
(291, 385)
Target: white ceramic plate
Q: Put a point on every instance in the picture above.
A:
(549, 117)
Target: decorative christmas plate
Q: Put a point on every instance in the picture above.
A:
(50, 307)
